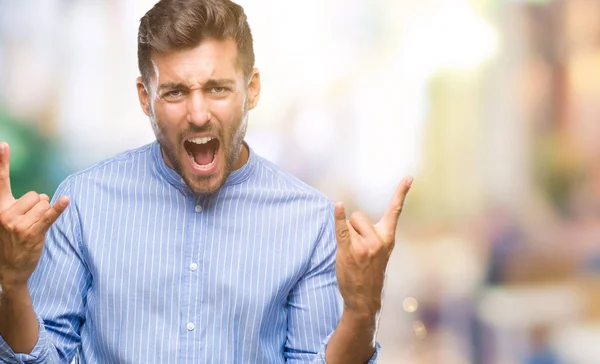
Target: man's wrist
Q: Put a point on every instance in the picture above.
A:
(362, 312)
(354, 338)
(14, 292)
(363, 320)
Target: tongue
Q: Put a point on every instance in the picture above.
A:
(203, 154)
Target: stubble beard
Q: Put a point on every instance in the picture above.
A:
(232, 151)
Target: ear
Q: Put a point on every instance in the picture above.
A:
(254, 89)
(143, 96)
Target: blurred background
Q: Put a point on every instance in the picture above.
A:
(493, 106)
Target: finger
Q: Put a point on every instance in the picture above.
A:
(341, 227)
(44, 197)
(363, 226)
(354, 235)
(5, 192)
(35, 214)
(51, 215)
(392, 214)
(24, 204)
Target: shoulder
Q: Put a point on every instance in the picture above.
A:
(103, 172)
(270, 174)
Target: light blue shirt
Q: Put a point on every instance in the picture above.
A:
(140, 270)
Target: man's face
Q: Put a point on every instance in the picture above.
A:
(198, 104)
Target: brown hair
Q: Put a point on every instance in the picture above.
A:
(183, 24)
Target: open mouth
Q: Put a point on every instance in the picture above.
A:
(202, 152)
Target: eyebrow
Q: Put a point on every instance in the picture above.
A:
(220, 82)
(172, 86)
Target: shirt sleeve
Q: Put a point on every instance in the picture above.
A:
(39, 354)
(58, 288)
(315, 304)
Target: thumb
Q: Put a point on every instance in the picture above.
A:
(6, 196)
(341, 226)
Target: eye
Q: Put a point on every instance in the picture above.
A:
(218, 90)
(174, 94)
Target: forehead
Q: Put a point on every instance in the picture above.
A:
(208, 60)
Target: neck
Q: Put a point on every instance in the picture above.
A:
(243, 157)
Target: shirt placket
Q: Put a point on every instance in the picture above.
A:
(192, 331)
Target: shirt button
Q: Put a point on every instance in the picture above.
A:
(193, 267)
(198, 208)
(190, 326)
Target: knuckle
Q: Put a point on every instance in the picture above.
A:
(343, 233)
(397, 210)
(48, 218)
(45, 219)
(375, 251)
(21, 234)
(31, 195)
(27, 235)
(20, 228)
(44, 205)
(9, 225)
(361, 252)
(377, 243)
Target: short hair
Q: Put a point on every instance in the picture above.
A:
(184, 24)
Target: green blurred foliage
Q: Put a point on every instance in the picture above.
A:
(31, 159)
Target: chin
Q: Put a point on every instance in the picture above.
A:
(209, 175)
(205, 185)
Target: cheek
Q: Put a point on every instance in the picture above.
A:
(170, 116)
(222, 106)
(227, 111)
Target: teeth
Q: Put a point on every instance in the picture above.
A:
(203, 140)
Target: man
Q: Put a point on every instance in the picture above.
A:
(192, 249)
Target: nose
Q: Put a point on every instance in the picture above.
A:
(198, 109)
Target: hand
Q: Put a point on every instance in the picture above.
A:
(23, 226)
(363, 253)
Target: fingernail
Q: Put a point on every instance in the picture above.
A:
(1, 148)
(410, 181)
